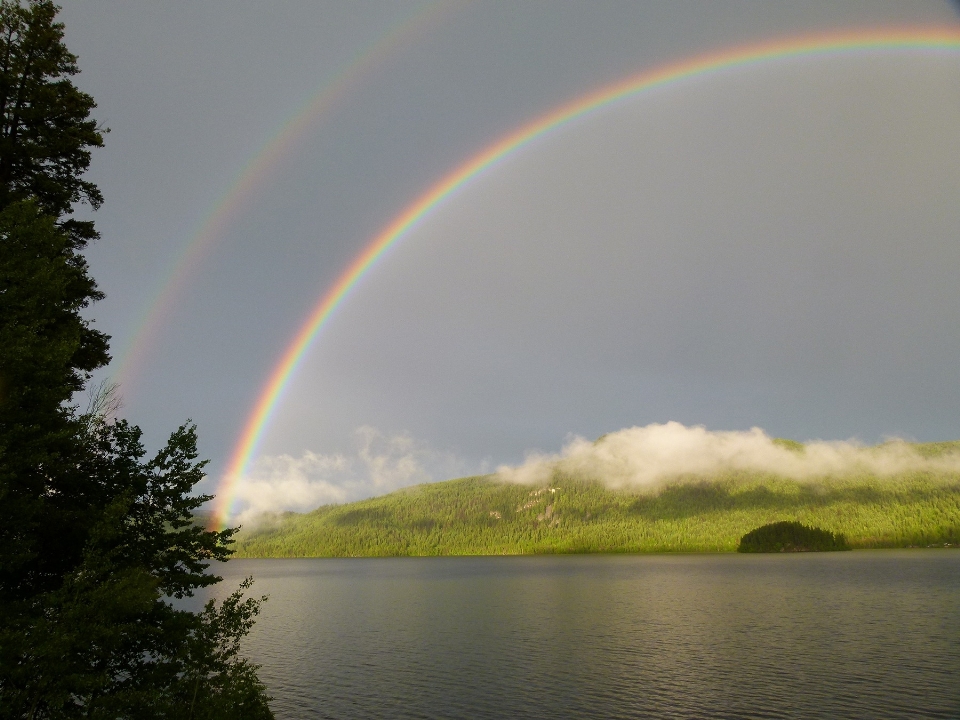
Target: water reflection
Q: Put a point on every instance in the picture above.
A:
(864, 634)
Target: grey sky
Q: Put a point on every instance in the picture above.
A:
(774, 247)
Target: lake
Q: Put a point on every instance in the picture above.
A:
(869, 634)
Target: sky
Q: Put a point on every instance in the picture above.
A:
(771, 246)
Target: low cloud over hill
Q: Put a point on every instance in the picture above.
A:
(653, 454)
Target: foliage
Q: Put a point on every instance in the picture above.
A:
(787, 536)
(482, 516)
(47, 351)
(789, 444)
(108, 642)
(45, 127)
(97, 542)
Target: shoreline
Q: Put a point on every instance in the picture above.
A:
(611, 553)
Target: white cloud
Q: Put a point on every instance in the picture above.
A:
(646, 456)
(380, 464)
(632, 457)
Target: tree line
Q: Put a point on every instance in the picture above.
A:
(483, 516)
(97, 538)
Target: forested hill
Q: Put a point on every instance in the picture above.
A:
(481, 516)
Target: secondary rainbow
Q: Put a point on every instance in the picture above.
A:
(924, 39)
(258, 170)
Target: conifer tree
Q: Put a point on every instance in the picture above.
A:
(46, 132)
(96, 539)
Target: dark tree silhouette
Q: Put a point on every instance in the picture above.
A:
(787, 536)
(95, 538)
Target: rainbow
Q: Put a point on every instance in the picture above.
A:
(257, 172)
(910, 40)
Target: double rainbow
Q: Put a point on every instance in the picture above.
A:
(890, 40)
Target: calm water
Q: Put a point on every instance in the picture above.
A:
(833, 635)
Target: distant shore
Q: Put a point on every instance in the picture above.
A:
(483, 516)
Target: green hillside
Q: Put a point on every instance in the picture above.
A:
(481, 516)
